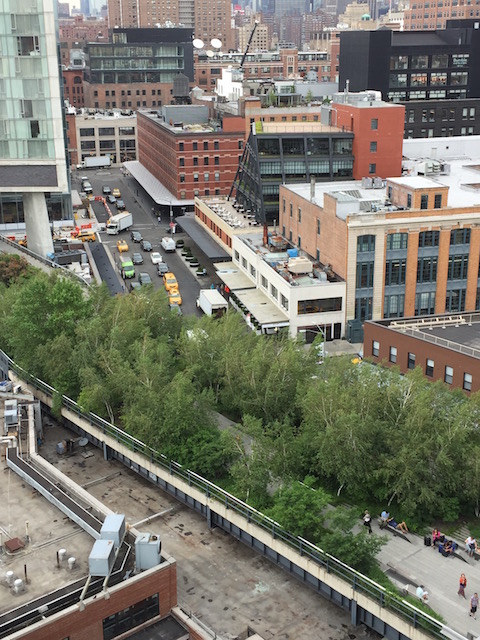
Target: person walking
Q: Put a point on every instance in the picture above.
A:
(474, 605)
(367, 521)
(462, 585)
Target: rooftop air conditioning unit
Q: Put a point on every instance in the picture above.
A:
(367, 183)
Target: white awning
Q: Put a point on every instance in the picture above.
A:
(155, 189)
(233, 276)
(262, 309)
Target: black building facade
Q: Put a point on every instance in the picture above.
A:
(433, 67)
(272, 159)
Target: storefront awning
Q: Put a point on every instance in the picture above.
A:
(202, 239)
(262, 309)
(155, 189)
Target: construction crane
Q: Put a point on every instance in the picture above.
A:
(240, 68)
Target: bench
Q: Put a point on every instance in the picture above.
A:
(396, 532)
(411, 590)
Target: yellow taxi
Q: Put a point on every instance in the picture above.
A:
(170, 281)
(116, 193)
(122, 246)
(174, 297)
(87, 235)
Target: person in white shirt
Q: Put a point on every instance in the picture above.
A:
(421, 593)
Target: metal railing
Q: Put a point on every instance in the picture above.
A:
(359, 582)
(45, 261)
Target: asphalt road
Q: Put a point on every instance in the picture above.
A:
(144, 221)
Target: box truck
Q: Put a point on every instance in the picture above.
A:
(95, 162)
(119, 222)
(212, 303)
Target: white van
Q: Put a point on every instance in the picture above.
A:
(168, 244)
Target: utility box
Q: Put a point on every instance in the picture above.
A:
(113, 528)
(148, 549)
(354, 331)
(101, 558)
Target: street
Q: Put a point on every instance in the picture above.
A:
(140, 205)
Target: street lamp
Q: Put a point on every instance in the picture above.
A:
(320, 347)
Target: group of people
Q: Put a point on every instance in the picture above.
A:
(473, 600)
(445, 547)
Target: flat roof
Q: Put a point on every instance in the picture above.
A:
(262, 308)
(457, 331)
(233, 276)
(155, 189)
(205, 242)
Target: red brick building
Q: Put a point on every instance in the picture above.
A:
(378, 128)
(443, 346)
(73, 87)
(74, 33)
(190, 160)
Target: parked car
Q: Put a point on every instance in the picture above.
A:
(122, 246)
(87, 236)
(156, 257)
(111, 199)
(106, 190)
(134, 286)
(146, 245)
(116, 193)
(120, 204)
(136, 236)
(170, 281)
(144, 279)
(137, 258)
(162, 268)
(174, 297)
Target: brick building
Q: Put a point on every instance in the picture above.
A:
(138, 69)
(406, 246)
(445, 347)
(74, 33)
(73, 87)
(186, 154)
(434, 14)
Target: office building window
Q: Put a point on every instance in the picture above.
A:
(375, 348)
(181, 146)
(397, 241)
(131, 617)
(393, 354)
(216, 160)
(409, 200)
(372, 168)
(395, 271)
(363, 308)
(448, 375)
(205, 145)
(424, 201)
(437, 204)
(458, 267)
(430, 366)
(195, 177)
(460, 236)
(467, 381)
(427, 269)
(425, 303)
(205, 161)
(374, 124)
(195, 161)
(263, 281)
(429, 239)
(411, 361)
(181, 162)
(393, 306)
(365, 243)
(216, 145)
(373, 147)
(274, 292)
(364, 275)
(455, 300)
(195, 146)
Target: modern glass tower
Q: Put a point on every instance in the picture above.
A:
(34, 186)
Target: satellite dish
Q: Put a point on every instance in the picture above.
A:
(198, 44)
(210, 53)
(216, 43)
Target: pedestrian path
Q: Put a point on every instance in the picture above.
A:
(414, 563)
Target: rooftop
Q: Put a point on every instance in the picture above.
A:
(366, 196)
(459, 332)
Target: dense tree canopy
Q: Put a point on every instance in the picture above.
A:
(363, 433)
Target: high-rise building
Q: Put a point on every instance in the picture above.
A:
(33, 168)
(434, 14)
(209, 18)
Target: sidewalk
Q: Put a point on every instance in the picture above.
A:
(414, 563)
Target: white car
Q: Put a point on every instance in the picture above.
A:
(155, 257)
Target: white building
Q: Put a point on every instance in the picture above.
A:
(34, 187)
(102, 134)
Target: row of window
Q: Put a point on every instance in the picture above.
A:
(435, 61)
(128, 92)
(429, 365)
(431, 115)
(400, 240)
(89, 132)
(454, 78)
(206, 147)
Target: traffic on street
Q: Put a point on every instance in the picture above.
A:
(147, 229)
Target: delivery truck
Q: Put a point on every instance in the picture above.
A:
(212, 303)
(96, 162)
(168, 244)
(119, 222)
(125, 266)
